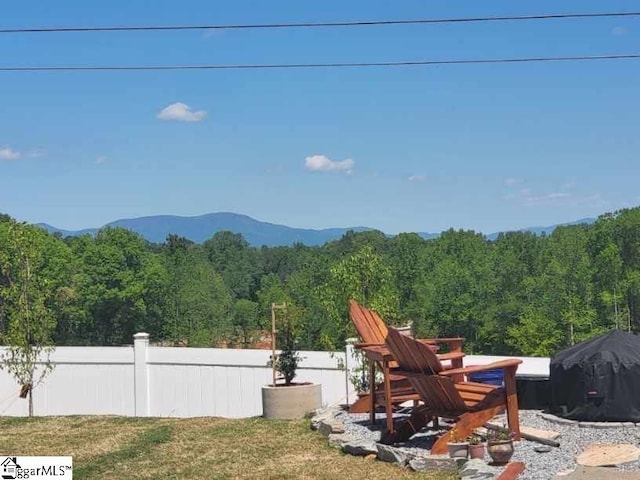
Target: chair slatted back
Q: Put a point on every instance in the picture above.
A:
(412, 355)
(370, 329)
(439, 393)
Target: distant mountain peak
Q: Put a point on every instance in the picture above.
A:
(199, 228)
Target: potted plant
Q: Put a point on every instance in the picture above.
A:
(458, 446)
(284, 398)
(500, 444)
(476, 446)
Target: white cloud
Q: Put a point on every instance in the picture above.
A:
(321, 163)
(8, 153)
(528, 198)
(511, 181)
(533, 200)
(619, 31)
(101, 159)
(417, 178)
(37, 153)
(553, 196)
(181, 112)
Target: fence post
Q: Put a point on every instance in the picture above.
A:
(140, 374)
(349, 361)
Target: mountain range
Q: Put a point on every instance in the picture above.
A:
(200, 228)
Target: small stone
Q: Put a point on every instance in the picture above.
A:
(431, 463)
(323, 414)
(371, 456)
(558, 420)
(390, 454)
(609, 425)
(339, 439)
(476, 469)
(586, 424)
(360, 448)
(601, 425)
(542, 449)
(327, 427)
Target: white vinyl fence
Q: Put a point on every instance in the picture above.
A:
(145, 381)
(163, 382)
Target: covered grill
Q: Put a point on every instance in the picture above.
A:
(598, 380)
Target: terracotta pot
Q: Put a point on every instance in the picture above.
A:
(477, 451)
(458, 449)
(501, 451)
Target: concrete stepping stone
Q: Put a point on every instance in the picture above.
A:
(600, 455)
(596, 473)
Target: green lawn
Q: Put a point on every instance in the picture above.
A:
(202, 448)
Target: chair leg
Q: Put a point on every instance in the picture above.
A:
(512, 402)
(418, 419)
(465, 426)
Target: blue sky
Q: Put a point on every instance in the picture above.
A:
(483, 147)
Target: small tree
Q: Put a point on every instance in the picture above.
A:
(24, 295)
(286, 362)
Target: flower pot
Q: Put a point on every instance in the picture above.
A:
(500, 451)
(292, 401)
(458, 449)
(477, 451)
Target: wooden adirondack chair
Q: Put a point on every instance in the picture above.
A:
(472, 404)
(394, 389)
(373, 331)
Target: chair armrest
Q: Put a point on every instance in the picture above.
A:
(362, 345)
(450, 355)
(442, 340)
(502, 364)
(455, 344)
(378, 353)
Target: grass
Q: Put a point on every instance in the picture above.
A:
(212, 448)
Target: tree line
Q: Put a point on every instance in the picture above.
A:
(521, 293)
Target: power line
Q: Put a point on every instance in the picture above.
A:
(356, 23)
(266, 66)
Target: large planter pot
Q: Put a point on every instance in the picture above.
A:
(290, 402)
(500, 452)
(458, 449)
(477, 451)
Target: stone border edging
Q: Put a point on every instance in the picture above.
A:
(599, 425)
(325, 421)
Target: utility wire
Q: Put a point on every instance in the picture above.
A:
(356, 23)
(265, 66)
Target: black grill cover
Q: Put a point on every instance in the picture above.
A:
(598, 380)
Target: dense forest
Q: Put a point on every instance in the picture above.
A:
(519, 294)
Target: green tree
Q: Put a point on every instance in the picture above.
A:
(365, 277)
(407, 261)
(233, 258)
(121, 286)
(25, 294)
(198, 302)
(245, 321)
(515, 262)
(459, 286)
